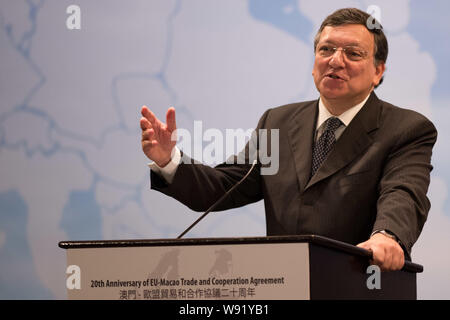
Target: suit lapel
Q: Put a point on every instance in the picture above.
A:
(354, 140)
(301, 134)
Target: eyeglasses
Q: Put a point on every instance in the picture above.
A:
(352, 53)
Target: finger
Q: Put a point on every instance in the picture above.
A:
(149, 115)
(395, 257)
(374, 258)
(396, 263)
(399, 260)
(145, 124)
(365, 245)
(148, 135)
(401, 263)
(146, 145)
(378, 256)
(145, 111)
(170, 119)
(387, 264)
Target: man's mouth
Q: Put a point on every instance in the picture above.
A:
(334, 76)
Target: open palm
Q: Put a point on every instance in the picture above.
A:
(158, 138)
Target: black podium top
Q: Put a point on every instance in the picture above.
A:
(313, 239)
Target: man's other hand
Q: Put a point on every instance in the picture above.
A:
(386, 252)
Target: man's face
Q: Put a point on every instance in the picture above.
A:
(341, 79)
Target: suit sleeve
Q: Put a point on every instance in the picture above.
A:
(198, 186)
(403, 205)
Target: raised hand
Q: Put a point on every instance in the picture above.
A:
(157, 139)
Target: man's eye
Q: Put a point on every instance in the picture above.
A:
(354, 53)
(325, 48)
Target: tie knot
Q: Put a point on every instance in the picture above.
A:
(332, 124)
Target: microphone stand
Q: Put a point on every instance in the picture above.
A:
(217, 202)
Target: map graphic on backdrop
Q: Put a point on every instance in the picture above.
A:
(70, 154)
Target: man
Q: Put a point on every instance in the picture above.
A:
(352, 167)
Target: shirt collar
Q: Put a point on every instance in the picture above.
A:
(345, 117)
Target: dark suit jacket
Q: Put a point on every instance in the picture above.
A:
(375, 177)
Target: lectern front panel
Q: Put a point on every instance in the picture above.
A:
(227, 271)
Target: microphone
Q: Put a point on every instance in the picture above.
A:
(218, 201)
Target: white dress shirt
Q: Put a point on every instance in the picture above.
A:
(345, 118)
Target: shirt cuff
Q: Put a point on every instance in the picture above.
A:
(386, 233)
(168, 172)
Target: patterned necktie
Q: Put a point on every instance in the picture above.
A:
(323, 146)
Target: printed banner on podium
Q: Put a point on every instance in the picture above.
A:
(191, 272)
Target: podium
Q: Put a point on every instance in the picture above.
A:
(303, 267)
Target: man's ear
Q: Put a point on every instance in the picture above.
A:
(379, 72)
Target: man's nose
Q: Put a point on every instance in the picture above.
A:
(337, 59)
